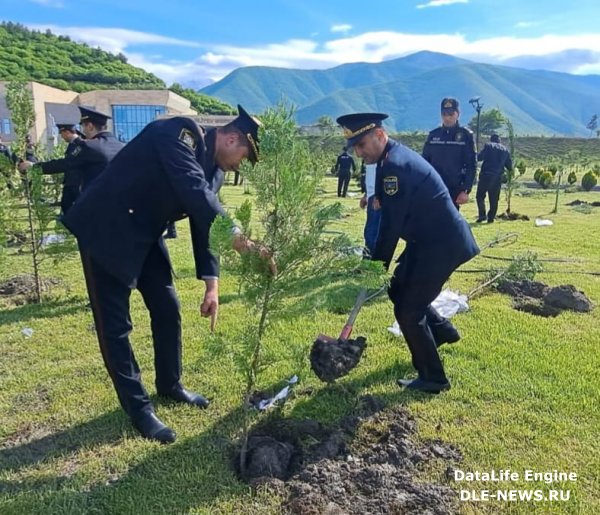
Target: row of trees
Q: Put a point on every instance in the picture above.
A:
(64, 64)
(61, 63)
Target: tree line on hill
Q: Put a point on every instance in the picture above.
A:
(57, 61)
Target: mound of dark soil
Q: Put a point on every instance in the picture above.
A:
(510, 217)
(533, 289)
(24, 286)
(366, 464)
(540, 299)
(583, 203)
(331, 360)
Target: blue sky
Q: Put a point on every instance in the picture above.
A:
(196, 42)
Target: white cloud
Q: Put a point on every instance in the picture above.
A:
(575, 54)
(342, 27)
(113, 40)
(58, 4)
(440, 3)
(526, 24)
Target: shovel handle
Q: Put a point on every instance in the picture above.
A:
(347, 330)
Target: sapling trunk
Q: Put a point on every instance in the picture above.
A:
(35, 244)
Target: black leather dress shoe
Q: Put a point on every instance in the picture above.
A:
(183, 395)
(153, 428)
(423, 385)
(480, 219)
(446, 333)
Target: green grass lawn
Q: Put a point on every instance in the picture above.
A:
(525, 390)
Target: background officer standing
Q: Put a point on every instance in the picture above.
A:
(4, 167)
(68, 166)
(4, 150)
(415, 206)
(85, 158)
(344, 166)
(367, 185)
(450, 149)
(495, 159)
(173, 168)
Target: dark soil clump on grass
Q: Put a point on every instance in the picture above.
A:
(21, 288)
(511, 217)
(367, 463)
(331, 360)
(540, 299)
(583, 203)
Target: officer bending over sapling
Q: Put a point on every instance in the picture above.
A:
(415, 206)
(173, 168)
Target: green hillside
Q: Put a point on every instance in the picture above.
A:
(410, 89)
(61, 63)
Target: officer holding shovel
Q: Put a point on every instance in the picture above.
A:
(415, 206)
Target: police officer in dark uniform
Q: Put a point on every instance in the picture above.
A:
(450, 149)
(344, 166)
(171, 169)
(5, 151)
(66, 165)
(85, 158)
(496, 158)
(415, 206)
(30, 150)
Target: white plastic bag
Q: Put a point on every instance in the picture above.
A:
(447, 304)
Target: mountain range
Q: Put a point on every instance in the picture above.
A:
(410, 88)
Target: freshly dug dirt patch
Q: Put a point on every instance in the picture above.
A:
(583, 203)
(331, 360)
(510, 217)
(22, 287)
(540, 299)
(368, 463)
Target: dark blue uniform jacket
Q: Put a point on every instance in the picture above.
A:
(166, 172)
(495, 159)
(344, 164)
(451, 151)
(67, 165)
(84, 159)
(416, 207)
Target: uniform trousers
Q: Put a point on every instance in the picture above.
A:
(109, 299)
(371, 226)
(69, 195)
(343, 182)
(414, 286)
(453, 194)
(490, 184)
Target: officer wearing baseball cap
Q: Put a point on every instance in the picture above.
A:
(415, 206)
(450, 149)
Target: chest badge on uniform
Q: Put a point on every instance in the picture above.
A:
(390, 185)
(187, 137)
(75, 151)
(459, 136)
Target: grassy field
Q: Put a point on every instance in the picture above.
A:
(525, 390)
